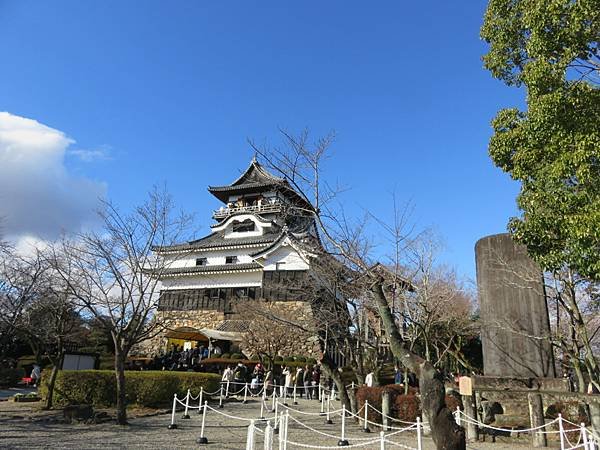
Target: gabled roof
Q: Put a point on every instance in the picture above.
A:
(254, 178)
(217, 240)
(221, 268)
(257, 179)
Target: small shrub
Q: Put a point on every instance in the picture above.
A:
(311, 361)
(300, 359)
(225, 356)
(278, 358)
(237, 356)
(288, 359)
(149, 388)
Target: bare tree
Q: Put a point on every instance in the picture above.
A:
(114, 274)
(21, 281)
(300, 163)
(268, 338)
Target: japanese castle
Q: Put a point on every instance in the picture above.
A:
(256, 251)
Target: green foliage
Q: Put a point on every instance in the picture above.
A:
(237, 356)
(10, 377)
(300, 359)
(288, 359)
(225, 356)
(553, 148)
(311, 361)
(149, 388)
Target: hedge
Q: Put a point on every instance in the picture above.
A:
(146, 388)
(403, 407)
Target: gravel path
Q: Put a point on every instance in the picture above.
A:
(19, 429)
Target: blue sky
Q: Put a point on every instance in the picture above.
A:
(159, 91)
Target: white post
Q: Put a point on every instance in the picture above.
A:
(221, 397)
(268, 444)
(173, 425)
(366, 419)
(561, 431)
(295, 402)
(457, 415)
(328, 421)
(202, 439)
(285, 388)
(584, 437)
(281, 431)
(382, 440)
(343, 440)
(322, 398)
(187, 405)
(200, 400)
(227, 390)
(419, 437)
(250, 436)
(262, 408)
(333, 391)
(273, 405)
(246, 393)
(276, 417)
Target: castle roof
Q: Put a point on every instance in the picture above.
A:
(221, 268)
(257, 179)
(217, 240)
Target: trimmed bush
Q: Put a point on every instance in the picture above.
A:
(288, 359)
(148, 388)
(225, 356)
(311, 361)
(301, 359)
(278, 358)
(10, 377)
(237, 356)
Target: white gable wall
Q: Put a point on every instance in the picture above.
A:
(287, 255)
(216, 280)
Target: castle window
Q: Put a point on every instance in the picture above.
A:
(231, 259)
(201, 261)
(246, 225)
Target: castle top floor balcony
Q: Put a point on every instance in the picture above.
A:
(263, 207)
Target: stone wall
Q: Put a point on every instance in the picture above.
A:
(176, 319)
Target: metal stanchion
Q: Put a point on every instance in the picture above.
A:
(200, 400)
(268, 444)
(202, 439)
(250, 436)
(382, 440)
(245, 393)
(221, 397)
(419, 434)
(343, 442)
(328, 421)
(173, 425)
(295, 402)
(366, 428)
(187, 405)
(561, 430)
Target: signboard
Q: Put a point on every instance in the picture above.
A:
(465, 386)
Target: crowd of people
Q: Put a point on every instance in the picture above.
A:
(304, 379)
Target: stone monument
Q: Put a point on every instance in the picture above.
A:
(514, 312)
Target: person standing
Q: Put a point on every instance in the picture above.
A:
(306, 379)
(36, 374)
(369, 379)
(287, 373)
(299, 380)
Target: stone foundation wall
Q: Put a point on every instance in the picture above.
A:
(176, 319)
(301, 311)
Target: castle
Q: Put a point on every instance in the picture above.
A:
(257, 251)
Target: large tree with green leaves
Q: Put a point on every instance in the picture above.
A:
(550, 47)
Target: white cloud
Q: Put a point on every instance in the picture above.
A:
(101, 153)
(39, 198)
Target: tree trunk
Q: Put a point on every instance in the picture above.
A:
(331, 370)
(120, 356)
(57, 364)
(445, 432)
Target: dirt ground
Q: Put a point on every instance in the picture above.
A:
(23, 426)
